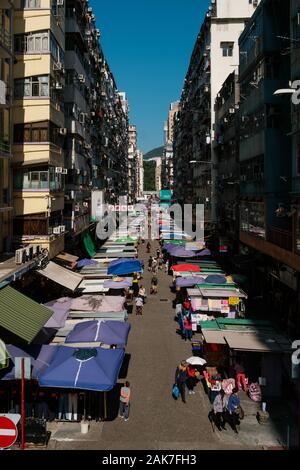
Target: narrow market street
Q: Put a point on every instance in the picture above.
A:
(156, 420)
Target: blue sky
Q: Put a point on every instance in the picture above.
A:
(148, 44)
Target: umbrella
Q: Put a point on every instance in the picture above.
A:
(189, 281)
(216, 279)
(186, 268)
(125, 266)
(107, 332)
(204, 252)
(239, 278)
(85, 262)
(83, 368)
(196, 361)
(41, 357)
(179, 252)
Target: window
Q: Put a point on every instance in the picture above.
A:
(252, 218)
(40, 42)
(31, 3)
(38, 179)
(44, 131)
(36, 86)
(227, 48)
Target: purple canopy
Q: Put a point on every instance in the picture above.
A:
(61, 308)
(109, 284)
(85, 262)
(107, 332)
(179, 252)
(41, 357)
(189, 281)
(204, 252)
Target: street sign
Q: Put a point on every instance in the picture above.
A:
(27, 368)
(14, 417)
(8, 433)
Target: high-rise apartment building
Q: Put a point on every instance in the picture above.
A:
(167, 161)
(6, 58)
(38, 124)
(215, 56)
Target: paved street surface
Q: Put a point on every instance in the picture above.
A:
(156, 421)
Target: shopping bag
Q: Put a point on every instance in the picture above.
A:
(175, 391)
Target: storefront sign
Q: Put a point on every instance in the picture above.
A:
(234, 301)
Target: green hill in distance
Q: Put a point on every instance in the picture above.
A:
(158, 152)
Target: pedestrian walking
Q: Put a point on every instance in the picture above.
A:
(150, 261)
(219, 407)
(233, 407)
(142, 293)
(167, 267)
(158, 253)
(125, 395)
(160, 263)
(154, 266)
(139, 305)
(154, 285)
(188, 328)
(192, 379)
(135, 285)
(148, 247)
(181, 378)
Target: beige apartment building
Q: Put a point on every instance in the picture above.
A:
(39, 124)
(6, 56)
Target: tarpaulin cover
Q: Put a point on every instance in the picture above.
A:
(98, 303)
(189, 281)
(86, 369)
(186, 268)
(41, 357)
(216, 279)
(204, 252)
(107, 332)
(85, 262)
(111, 284)
(61, 308)
(89, 244)
(125, 266)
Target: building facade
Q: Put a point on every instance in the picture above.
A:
(6, 60)
(226, 149)
(167, 161)
(70, 124)
(215, 56)
(38, 124)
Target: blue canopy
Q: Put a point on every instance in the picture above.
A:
(216, 279)
(107, 332)
(189, 281)
(85, 369)
(41, 357)
(125, 266)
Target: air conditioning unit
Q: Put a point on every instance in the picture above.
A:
(36, 250)
(255, 3)
(84, 173)
(231, 110)
(29, 252)
(56, 230)
(65, 171)
(58, 169)
(60, 3)
(58, 86)
(62, 228)
(81, 78)
(81, 118)
(50, 231)
(85, 204)
(98, 33)
(90, 10)
(77, 208)
(20, 256)
(87, 146)
(58, 66)
(63, 131)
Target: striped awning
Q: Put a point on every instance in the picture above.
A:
(20, 315)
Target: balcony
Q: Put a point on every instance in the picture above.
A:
(5, 149)
(5, 40)
(281, 238)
